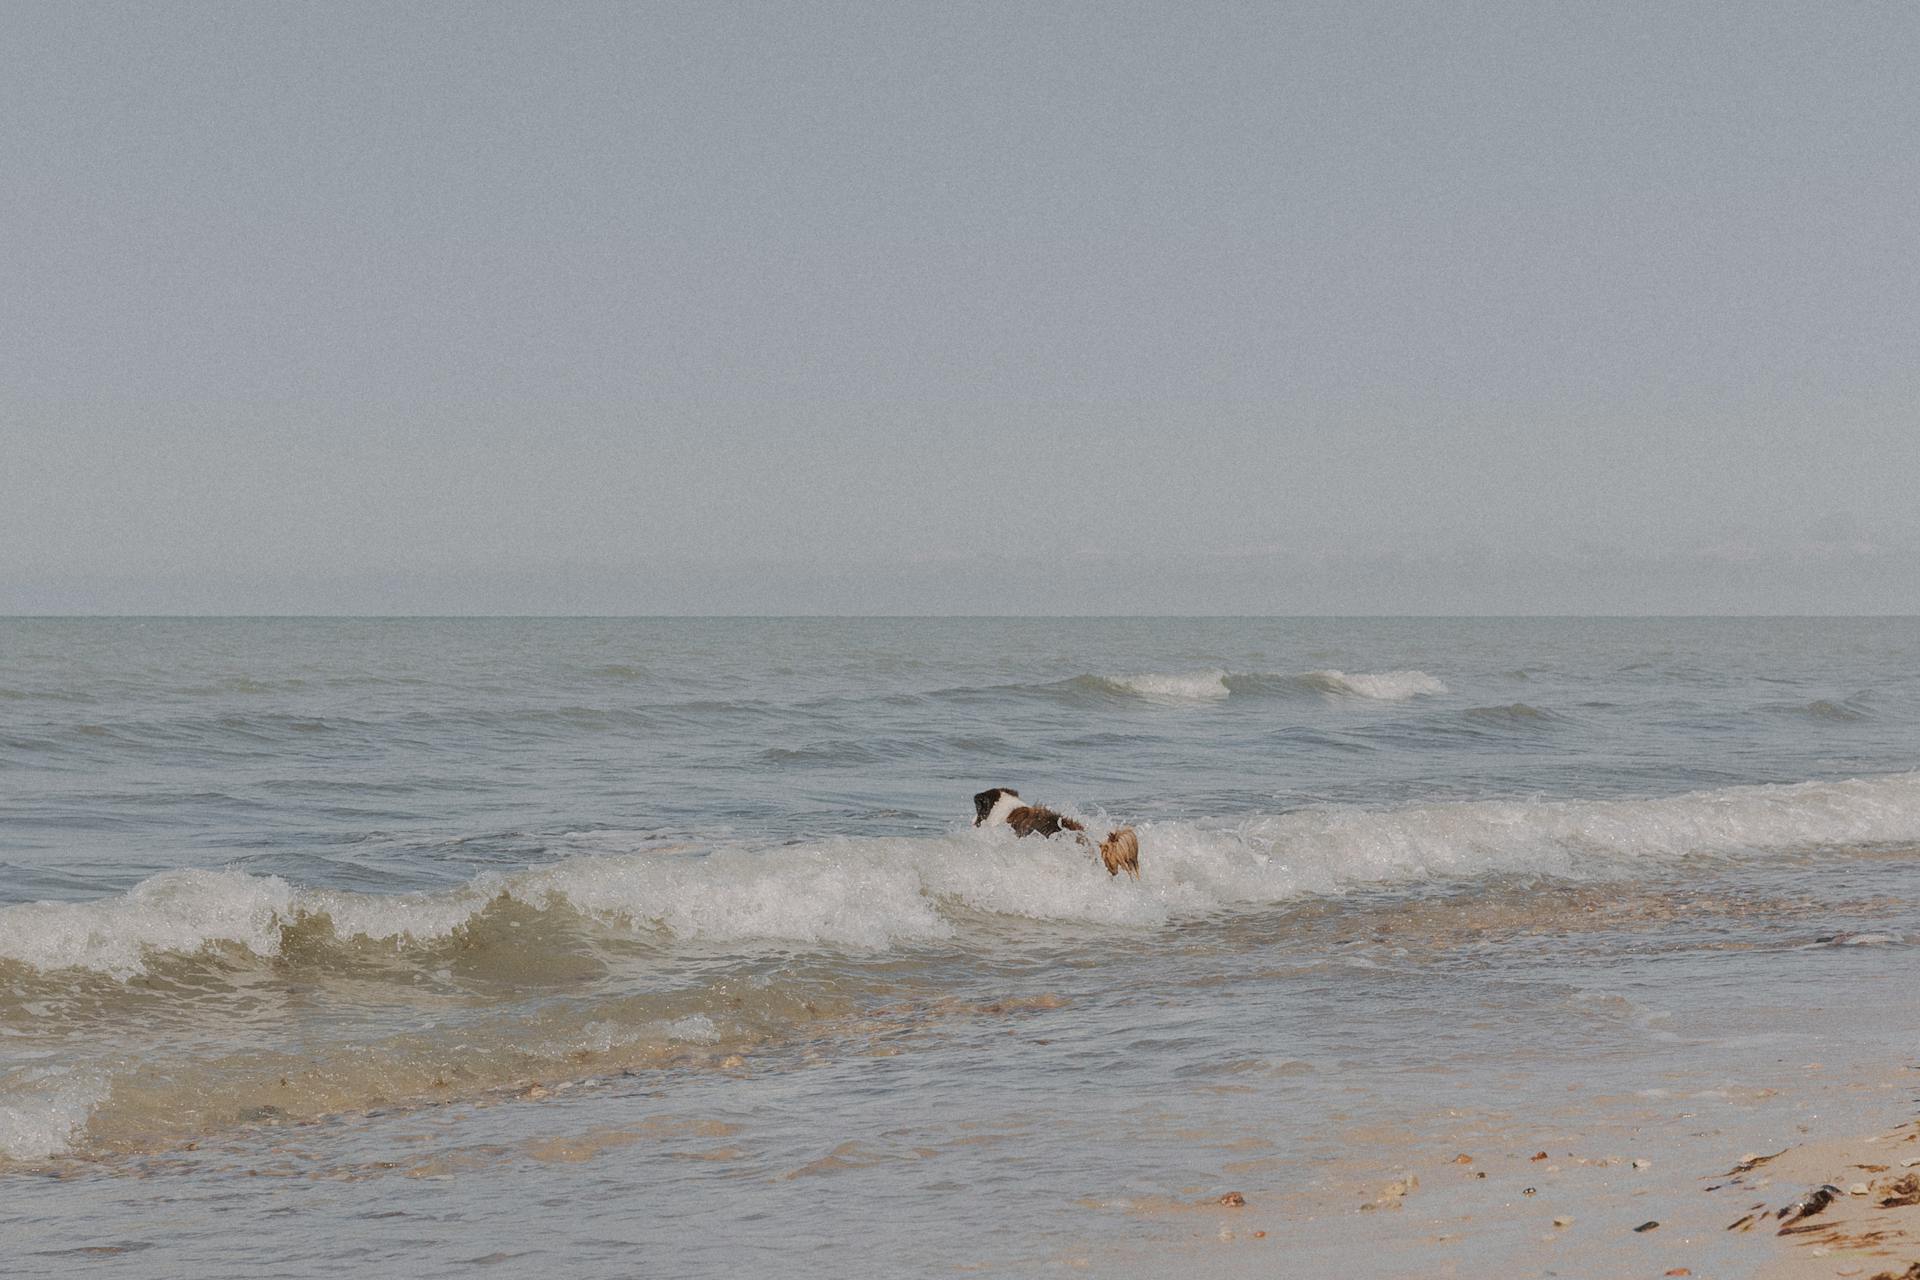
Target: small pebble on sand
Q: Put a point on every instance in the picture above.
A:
(1563, 1222)
(1233, 1200)
(1646, 1226)
(1642, 1164)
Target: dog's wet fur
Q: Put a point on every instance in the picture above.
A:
(1120, 851)
(996, 806)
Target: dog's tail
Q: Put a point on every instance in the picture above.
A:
(1120, 851)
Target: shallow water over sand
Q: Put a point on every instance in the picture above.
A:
(613, 947)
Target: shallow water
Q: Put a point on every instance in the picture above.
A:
(299, 911)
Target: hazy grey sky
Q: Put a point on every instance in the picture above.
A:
(1269, 307)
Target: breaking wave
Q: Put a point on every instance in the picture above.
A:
(872, 893)
(1386, 686)
(41, 1108)
(1212, 686)
(671, 957)
(1206, 686)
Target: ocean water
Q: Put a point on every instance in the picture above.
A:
(613, 947)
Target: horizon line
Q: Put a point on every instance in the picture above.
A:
(903, 617)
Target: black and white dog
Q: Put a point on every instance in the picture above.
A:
(1003, 807)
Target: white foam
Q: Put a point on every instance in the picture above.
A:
(401, 917)
(1204, 686)
(1211, 686)
(181, 911)
(41, 1108)
(695, 1028)
(877, 892)
(842, 892)
(1383, 686)
(607, 1036)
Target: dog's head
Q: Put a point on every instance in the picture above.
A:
(984, 802)
(1120, 851)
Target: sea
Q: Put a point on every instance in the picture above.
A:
(633, 947)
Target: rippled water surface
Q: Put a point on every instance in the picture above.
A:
(616, 947)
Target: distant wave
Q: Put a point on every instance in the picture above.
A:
(1205, 686)
(1214, 685)
(1387, 686)
(833, 754)
(243, 736)
(1517, 715)
(621, 671)
(1844, 711)
(242, 732)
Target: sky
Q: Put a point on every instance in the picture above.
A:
(960, 308)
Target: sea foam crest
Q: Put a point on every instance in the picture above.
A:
(41, 1108)
(1211, 686)
(180, 911)
(1204, 686)
(1383, 686)
(873, 893)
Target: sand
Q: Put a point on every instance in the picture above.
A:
(1589, 1193)
(1864, 1197)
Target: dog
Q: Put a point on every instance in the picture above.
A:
(1002, 806)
